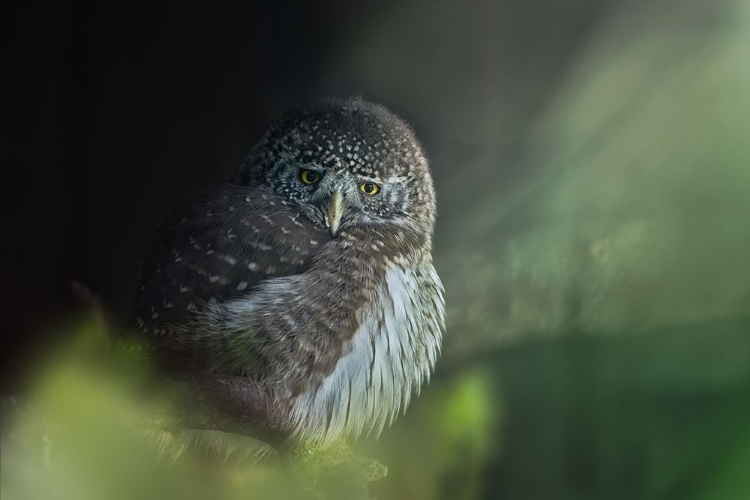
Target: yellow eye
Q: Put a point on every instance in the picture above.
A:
(309, 177)
(369, 188)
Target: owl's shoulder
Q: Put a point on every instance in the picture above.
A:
(217, 248)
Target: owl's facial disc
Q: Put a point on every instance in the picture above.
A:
(339, 199)
(335, 200)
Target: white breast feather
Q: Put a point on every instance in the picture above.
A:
(390, 355)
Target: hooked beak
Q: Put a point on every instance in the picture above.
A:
(335, 210)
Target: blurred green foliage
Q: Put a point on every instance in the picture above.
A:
(87, 432)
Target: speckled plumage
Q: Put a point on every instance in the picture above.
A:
(250, 278)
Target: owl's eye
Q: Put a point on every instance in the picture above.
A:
(370, 188)
(309, 176)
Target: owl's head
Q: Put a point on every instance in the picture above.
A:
(344, 164)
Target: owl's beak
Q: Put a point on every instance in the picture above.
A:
(335, 210)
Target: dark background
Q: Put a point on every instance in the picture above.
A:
(591, 163)
(118, 112)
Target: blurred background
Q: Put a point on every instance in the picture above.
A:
(592, 165)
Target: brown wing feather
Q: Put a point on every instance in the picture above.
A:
(218, 248)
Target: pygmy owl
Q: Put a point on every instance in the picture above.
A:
(310, 272)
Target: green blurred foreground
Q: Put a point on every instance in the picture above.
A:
(665, 414)
(88, 434)
(85, 432)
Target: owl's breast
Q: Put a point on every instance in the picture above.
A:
(390, 355)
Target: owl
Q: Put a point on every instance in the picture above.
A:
(310, 273)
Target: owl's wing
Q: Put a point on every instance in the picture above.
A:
(218, 248)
